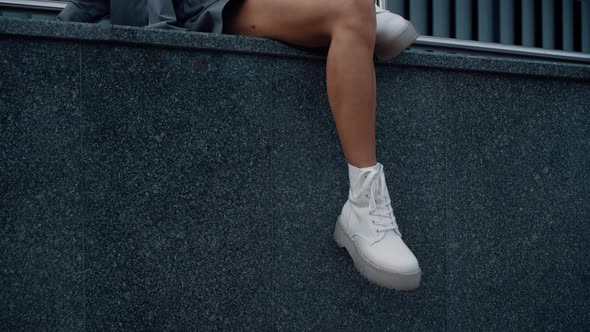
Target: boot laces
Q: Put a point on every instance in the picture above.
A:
(379, 201)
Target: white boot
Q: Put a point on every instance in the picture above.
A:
(394, 34)
(367, 228)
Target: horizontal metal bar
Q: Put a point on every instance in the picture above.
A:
(35, 4)
(494, 48)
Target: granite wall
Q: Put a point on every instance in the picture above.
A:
(164, 180)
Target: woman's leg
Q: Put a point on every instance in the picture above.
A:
(348, 28)
(366, 226)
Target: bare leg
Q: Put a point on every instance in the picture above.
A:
(348, 28)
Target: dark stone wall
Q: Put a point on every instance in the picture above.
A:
(157, 180)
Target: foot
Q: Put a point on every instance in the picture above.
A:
(394, 34)
(368, 230)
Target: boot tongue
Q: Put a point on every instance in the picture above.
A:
(381, 192)
(378, 183)
(355, 174)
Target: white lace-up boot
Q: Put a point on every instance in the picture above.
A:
(367, 228)
(394, 34)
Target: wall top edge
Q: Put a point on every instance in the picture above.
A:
(93, 32)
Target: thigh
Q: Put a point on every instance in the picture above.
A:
(301, 22)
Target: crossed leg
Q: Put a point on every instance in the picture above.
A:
(347, 27)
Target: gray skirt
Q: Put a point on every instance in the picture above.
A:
(194, 15)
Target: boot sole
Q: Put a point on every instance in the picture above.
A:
(406, 38)
(373, 273)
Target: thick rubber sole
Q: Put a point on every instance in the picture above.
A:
(372, 272)
(395, 47)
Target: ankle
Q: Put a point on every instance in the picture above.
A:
(361, 165)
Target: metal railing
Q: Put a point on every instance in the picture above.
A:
(34, 4)
(442, 27)
(477, 47)
(35, 9)
(550, 24)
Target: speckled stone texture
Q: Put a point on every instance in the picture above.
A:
(518, 203)
(177, 171)
(41, 217)
(158, 180)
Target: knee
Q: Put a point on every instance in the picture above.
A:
(358, 17)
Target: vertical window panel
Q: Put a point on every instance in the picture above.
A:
(507, 22)
(397, 6)
(548, 20)
(567, 9)
(419, 15)
(441, 15)
(528, 23)
(585, 26)
(463, 19)
(485, 27)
